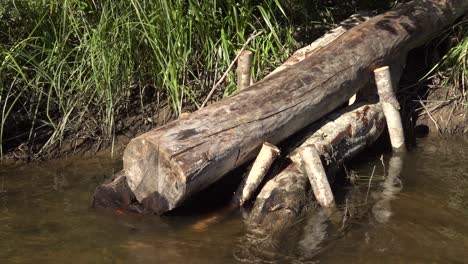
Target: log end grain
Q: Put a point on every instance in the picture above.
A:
(116, 194)
(152, 176)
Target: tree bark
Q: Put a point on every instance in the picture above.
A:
(166, 166)
(244, 67)
(338, 138)
(391, 108)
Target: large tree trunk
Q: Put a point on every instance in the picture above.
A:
(169, 164)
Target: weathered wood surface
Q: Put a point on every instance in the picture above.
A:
(286, 199)
(169, 164)
(116, 194)
(340, 137)
(313, 167)
(113, 192)
(307, 51)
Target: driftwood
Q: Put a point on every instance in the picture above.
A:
(169, 164)
(288, 176)
(341, 136)
(315, 171)
(286, 198)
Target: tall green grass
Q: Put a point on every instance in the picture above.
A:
(71, 67)
(451, 71)
(454, 64)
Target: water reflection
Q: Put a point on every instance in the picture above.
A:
(391, 186)
(45, 217)
(315, 232)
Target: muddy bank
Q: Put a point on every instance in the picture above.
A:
(429, 107)
(444, 112)
(430, 110)
(128, 125)
(434, 110)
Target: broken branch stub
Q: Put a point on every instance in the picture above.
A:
(259, 169)
(390, 108)
(244, 66)
(317, 176)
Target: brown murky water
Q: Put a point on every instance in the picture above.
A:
(421, 217)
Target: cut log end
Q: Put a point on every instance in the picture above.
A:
(116, 194)
(152, 176)
(381, 69)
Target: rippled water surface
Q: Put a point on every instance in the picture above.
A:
(45, 217)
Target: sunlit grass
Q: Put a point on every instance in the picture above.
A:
(454, 64)
(70, 67)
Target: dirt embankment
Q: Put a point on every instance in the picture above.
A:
(444, 112)
(431, 105)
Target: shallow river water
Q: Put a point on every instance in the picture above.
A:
(45, 217)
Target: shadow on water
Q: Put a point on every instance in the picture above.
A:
(400, 209)
(421, 216)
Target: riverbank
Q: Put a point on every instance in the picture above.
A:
(58, 107)
(46, 218)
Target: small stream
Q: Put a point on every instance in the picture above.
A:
(45, 217)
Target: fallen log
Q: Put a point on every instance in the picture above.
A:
(338, 138)
(113, 193)
(116, 194)
(329, 37)
(169, 164)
